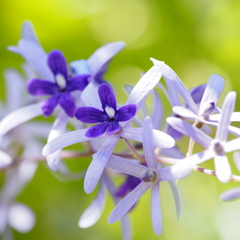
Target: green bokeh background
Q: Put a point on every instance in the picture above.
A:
(195, 38)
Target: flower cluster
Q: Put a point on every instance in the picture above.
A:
(78, 95)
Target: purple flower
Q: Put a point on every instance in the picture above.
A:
(109, 118)
(61, 88)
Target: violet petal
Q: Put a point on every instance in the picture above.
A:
(49, 105)
(40, 87)
(126, 112)
(113, 127)
(67, 103)
(90, 115)
(97, 130)
(78, 82)
(107, 97)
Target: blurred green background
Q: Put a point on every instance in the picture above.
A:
(195, 38)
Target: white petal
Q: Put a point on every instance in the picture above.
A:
(90, 97)
(236, 158)
(21, 218)
(160, 139)
(184, 112)
(156, 209)
(5, 159)
(99, 161)
(157, 112)
(65, 140)
(235, 117)
(222, 168)
(123, 206)
(94, 211)
(125, 166)
(145, 85)
(20, 116)
(28, 32)
(103, 55)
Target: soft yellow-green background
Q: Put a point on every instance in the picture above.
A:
(196, 38)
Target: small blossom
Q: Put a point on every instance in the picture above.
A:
(109, 118)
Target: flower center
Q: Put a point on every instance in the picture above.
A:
(149, 175)
(110, 112)
(61, 81)
(218, 147)
(207, 108)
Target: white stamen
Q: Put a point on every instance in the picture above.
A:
(110, 111)
(61, 81)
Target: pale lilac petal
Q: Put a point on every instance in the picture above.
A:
(173, 152)
(20, 116)
(3, 216)
(15, 86)
(65, 140)
(160, 139)
(170, 76)
(184, 112)
(103, 55)
(185, 128)
(236, 158)
(126, 228)
(157, 112)
(213, 89)
(235, 117)
(21, 218)
(28, 32)
(227, 110)
(79, 67)
(232, 145)
(57, 130)
(123, 206)
(230, 195)
(145, 85)
(148, 145)
(98, 163)
(91, 215)
(125, 166)
(5, 159)
(177, 198)
(35, 56)
(156, 209)
(174, 99)
(174, 172)
(90, 97)
(222, 168)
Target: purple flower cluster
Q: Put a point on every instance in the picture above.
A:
(80, 97)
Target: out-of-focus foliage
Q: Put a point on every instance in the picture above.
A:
(195, 38)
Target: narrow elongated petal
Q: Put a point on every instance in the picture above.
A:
(170, 76)
(5, 159)
(174, 172)
(57, 130)
(185, 128)
(28, 32)
(67, 103)
(97, 130)
(177, 198)
(213, 89)
(90, 115)
(236, 158)
(222, 168)
(80, 67)
(100, 159)
(125, 166)
(156, 209)
(19, 116)
(230, 195)
(184, 112)
(78, 82)
(94, 211)
(49, 105)
(232, 145)
(157, 112)
(65, 140)
(160, 139)
(35, 56)
(235, 117)
(145, 85)
(126, 112)
(90, 97)
(102, 56)
(39, 87)
(123, 206)
(107, 97)
(227, 110)
(57, 63)
(148, 145)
